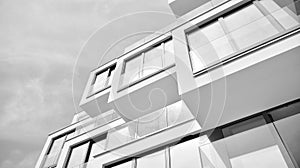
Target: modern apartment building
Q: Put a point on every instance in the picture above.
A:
(218, 88)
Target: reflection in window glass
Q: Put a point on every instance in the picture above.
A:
(185, 154)
(78, 155)
(157, 160)
(152, 60)
(196, 61)
(267, 157)
(132, 69)
(282, 15)
(249, 26)
(208, 45)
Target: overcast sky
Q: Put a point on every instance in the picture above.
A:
(39, 43)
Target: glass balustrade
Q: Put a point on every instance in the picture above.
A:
(257, 148)
(98, 121)
(171, 115)
(244, 29)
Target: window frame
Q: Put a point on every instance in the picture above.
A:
(90, 143)
(65, 135)
(141, 53)
(111, 70)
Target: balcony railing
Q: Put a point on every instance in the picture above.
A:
(149, 124)
(230, 36)
(257, 148)
(51, 159)
(98, 121)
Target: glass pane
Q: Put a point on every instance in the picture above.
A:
(97, 148)
(186, 154)
(282, 15)
(197, 62)
(209, 44)
(178, 113)
(202, 36)
(100, 81)
(289, 131)
(78, 155)
(267, 157)
(242, 17)
(121, 135)
(169, 57)
(132, 70)
(253, 148)
(152, 122)
(254, 32)
(57, 145)
(248, 26)
(153, 60)
(154, 160)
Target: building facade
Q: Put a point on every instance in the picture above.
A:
(218, 88)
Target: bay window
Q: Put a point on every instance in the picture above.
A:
(147, 63)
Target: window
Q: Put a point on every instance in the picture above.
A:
(54, 151)
(249, 26)
(211, 43)
(102, 80)
(81, 154)
(208, 45)
(78, 155)
(152, 60)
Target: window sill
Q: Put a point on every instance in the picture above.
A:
(144, 78)
(244, 52)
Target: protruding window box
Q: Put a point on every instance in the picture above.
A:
(95, 96)
(145, 79)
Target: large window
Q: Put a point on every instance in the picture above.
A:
(102, 80)
(152, 60)
(257, 22)
(54, 150)
(84, 152)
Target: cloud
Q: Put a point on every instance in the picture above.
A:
(39, 42)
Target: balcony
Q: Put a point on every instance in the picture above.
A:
(96, 122)
(234, 59)
(145, 79)
(148, 125)
(259, 147)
